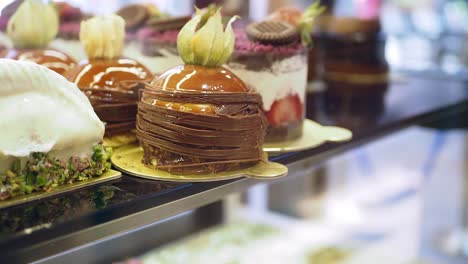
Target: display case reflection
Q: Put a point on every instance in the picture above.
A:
(41, 214)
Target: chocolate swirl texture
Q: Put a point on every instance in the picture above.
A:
(112, 88)
(192, 124)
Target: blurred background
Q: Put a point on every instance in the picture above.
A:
(421, 35)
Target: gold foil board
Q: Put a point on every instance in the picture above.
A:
(313, 136)
(128, 160)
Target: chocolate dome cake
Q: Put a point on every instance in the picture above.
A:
(200, 118)
(110, 81)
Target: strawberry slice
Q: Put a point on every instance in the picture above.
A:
(286, 111)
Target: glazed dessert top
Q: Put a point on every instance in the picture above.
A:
(103, 41)
(55, 60)
(178, 88)
(203, 45)
(108, 73)
(200, 79)
(43, 112)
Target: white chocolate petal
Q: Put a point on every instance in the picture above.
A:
(43, 112)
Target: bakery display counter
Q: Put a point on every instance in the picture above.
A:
(96, 224)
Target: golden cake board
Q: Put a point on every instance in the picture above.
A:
(128, 160)
(313, 136)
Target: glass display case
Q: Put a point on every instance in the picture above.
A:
(128, 217)
(395, 193)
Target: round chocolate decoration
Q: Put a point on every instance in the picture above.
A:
(272, 32)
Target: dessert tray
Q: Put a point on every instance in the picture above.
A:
(313, 136)
(128, 159)
(106, 177)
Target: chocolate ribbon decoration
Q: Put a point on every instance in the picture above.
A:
(116, 106)
(178, 139)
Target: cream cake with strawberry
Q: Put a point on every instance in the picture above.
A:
(271, 57)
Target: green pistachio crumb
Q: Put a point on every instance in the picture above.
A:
(43, 173)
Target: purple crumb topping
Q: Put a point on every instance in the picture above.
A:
(150, 34)
(70, 27)
(244, 46)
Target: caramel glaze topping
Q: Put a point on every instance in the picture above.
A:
(107, 74)
(194, 119)
(199, 79)
(53, 59)
(112, 87)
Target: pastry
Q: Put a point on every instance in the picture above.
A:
(109, 80)
(200, 118)
(353, 56)
(277, 71)
(32, 27)
(50, 133)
